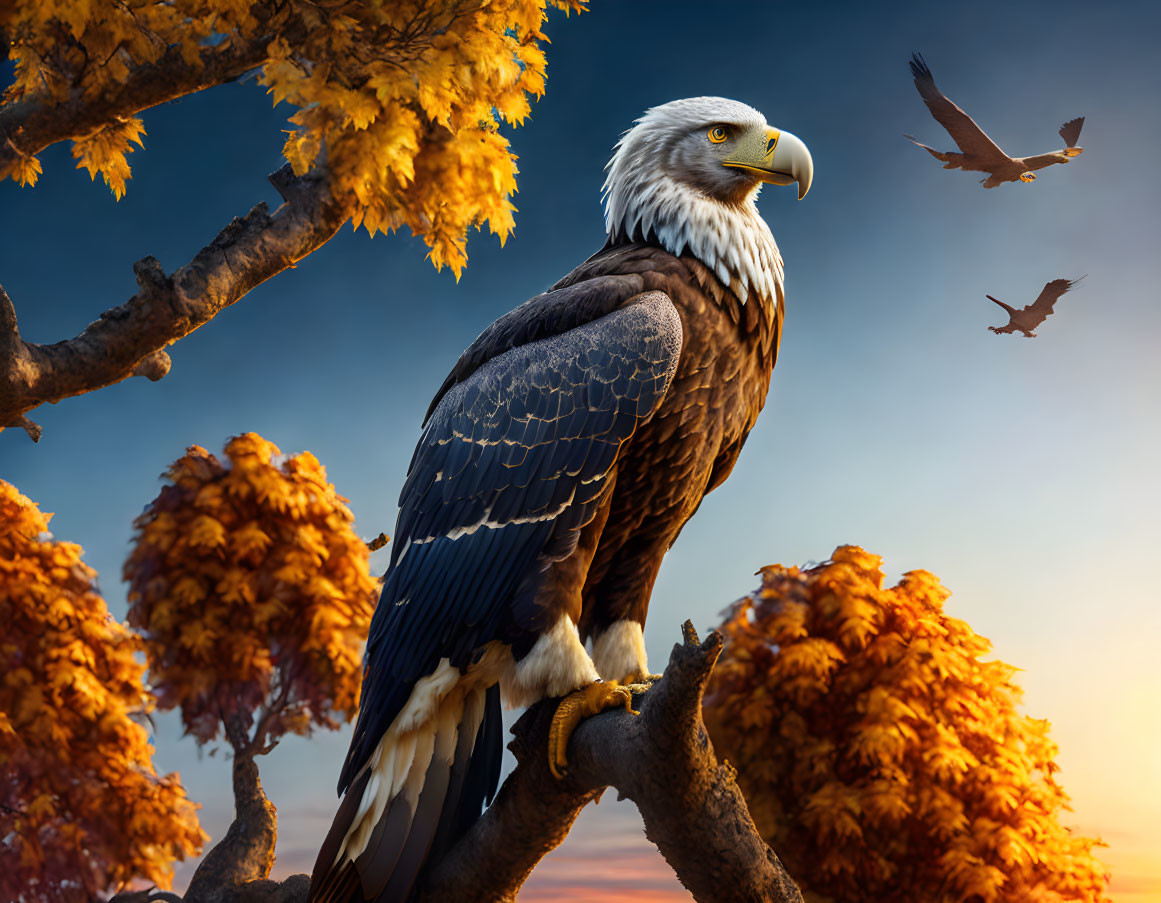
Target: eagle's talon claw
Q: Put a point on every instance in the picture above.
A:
(585, 702)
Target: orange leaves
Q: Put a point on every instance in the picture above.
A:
(251, 590)
(880, 755)
(24, 170)
(81, 807)
(83, 49)
(406, 96)
(105, 150)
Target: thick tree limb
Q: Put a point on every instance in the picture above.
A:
(662, 759)
(130, 340)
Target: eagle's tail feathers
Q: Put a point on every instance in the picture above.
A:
(330, 885)
(412, 845)
(474, 770)
(416, 796)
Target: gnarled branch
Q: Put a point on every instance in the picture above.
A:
(662, 759)
(129, 340)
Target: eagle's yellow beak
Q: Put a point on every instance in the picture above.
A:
(774, 156)
(1073, 151)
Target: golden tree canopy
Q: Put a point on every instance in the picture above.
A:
(404, 95)
(396, 106)
(880, 754)
(82, 810)
(252, 593)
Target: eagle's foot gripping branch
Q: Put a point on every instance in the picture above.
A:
(585, 702)
(638, 683)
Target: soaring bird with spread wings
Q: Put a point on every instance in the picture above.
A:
(558, 463)
(978, 153)
(1028, 318)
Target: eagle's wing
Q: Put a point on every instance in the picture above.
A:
(510, 467)
(1070, 131)
(962, 128)
(1042, 306)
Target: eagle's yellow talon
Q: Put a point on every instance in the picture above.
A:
(587, 701)
(639, 681)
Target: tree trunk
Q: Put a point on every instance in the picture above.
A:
(246, 853)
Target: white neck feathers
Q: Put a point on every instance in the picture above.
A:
(731, 239)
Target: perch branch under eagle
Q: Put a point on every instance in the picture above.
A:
(559, 461)
(977, 152)
(686, 796)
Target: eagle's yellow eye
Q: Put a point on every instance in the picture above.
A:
(717, 134)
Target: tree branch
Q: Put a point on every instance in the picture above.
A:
(130, 339)
(28, 126)
(662, 760)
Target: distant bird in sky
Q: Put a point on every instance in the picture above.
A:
(558, 463)
(1026, 319)
(978, 152)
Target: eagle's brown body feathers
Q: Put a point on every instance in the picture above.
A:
(691, 443)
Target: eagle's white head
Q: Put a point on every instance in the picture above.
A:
(688, 174)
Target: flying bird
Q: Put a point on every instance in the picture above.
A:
(978, 153)
(558, 462)
(1028, 318)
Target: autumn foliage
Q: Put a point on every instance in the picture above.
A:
(399, 101)
(252, 593)
(82, 810)
(881, 755)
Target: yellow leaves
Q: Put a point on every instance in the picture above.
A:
(70, 753)
(23, 170)
(249, 541)
(207, 532)
(187, 590)
(879, 750)
(104, 152)
(236, 587)
(811, 657)
(197, 637)
(398, 93)
(245, 573)
(401, 119)
(832, 812)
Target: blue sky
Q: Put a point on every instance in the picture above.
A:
(1022, 472)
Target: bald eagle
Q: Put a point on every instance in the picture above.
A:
(558, 462)
(978, 152)
(1028, 318)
